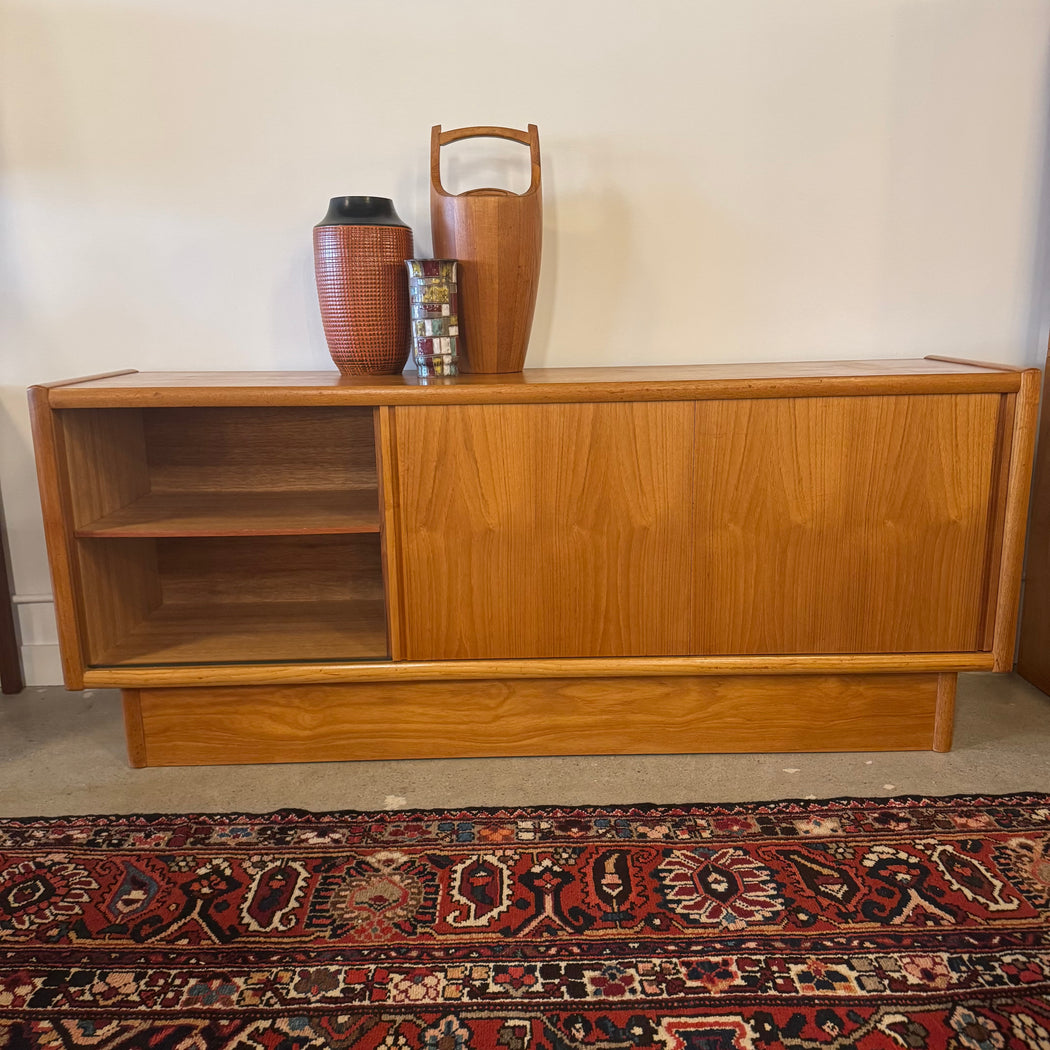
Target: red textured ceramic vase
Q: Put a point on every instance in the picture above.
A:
(360, 248)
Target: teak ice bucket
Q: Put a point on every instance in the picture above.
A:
(496, 236)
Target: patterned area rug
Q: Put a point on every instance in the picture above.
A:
(913, 923)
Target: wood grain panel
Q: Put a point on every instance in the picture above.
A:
(245, 449)
(541, 531)
(834, 525)
(269, 569)
(121, 588)
(390, 530)
(284, 513)
(549, 717)
(221, 600)
(55, 503)
(134, 734)
(944, 718)
(997, 501)
(217, 633)
(1015, 502)
(105, 460)
(306, 673)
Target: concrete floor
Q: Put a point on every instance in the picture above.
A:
(63, 753)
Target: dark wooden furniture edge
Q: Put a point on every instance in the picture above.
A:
(1033, 659)
(11, 679)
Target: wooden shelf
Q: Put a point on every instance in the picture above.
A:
(276, 513)
(250, 632)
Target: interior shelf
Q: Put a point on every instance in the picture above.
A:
(199, 472)
(274, 513)
(226, 534)
(215, 633)
(153, 600)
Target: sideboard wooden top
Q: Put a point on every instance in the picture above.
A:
(537, 385)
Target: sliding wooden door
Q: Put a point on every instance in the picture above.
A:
(545, 530)
(845, 524)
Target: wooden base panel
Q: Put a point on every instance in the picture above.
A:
(552, 716)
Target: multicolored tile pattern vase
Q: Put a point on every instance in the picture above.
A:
(433, 304)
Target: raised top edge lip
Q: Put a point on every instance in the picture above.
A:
(692, 372)
(625, 383)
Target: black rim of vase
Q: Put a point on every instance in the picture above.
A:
(361, 211)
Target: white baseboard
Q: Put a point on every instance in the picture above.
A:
(41, 660)
(41, 665)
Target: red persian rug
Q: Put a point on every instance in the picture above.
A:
(859, 923)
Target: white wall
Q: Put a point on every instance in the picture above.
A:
(752, 180)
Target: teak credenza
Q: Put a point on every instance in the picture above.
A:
(301, 566)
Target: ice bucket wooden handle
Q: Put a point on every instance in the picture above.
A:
(439, 138)
(496, 235)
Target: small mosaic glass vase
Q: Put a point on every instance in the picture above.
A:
(433, 305)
